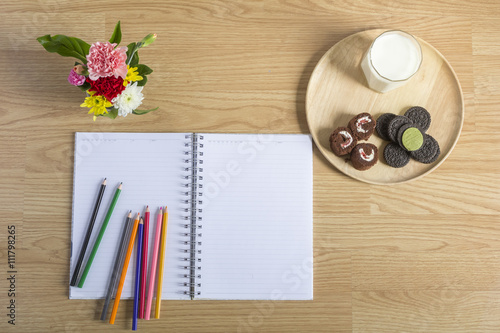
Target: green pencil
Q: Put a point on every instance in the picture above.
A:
(99, 237)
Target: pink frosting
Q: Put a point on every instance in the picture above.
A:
(105, 60)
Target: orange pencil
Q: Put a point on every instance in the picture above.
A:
(161, 263)
(124, 270)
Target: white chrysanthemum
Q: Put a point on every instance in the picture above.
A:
(128, 100)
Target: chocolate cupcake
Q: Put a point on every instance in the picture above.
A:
(396, 156)
(364, 156)
(429, 152)
(394, 126)
(420, 117)
(362, 126)
(342, 141)
(382, 125)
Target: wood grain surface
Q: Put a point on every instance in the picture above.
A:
(415, 257)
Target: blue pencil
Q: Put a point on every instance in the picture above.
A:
(137, 275)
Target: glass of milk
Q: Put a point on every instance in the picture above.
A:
(392, 59)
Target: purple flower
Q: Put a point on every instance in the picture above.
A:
(76, 79)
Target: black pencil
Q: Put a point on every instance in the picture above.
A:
(79, 262)
(120, 255)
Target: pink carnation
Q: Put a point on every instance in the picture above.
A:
(76, 79)
(105, 60)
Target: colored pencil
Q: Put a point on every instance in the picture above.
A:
(140, 233)
(124, 270)
(99, 237)
(120, 255)
(160, 264)
(83, 250)
(154, 259)
(144, 268)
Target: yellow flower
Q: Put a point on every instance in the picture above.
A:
(132, 75)
(97, 104)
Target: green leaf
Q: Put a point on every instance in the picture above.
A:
(142, 82)
(135, 58)
(111, 114)
(141, 112)
(65, 46)
(143, 70)
(116, 37)
(84, 87)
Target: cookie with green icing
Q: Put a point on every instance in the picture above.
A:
(410, 137)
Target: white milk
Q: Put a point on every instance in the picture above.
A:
(392, 59)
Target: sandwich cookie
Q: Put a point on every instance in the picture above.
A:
(396, 156)
(382, 126)
(410, 137)
(420, 117)
(429, 152)
(394, 126)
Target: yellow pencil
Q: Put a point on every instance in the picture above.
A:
(160, 264)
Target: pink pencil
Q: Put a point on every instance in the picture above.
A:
(144, 264)
(152, 271)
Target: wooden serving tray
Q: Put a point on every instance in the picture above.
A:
(338, 90)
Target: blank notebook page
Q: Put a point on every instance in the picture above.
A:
(257, 217)
(151, 166)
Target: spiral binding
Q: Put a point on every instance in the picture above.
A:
(193, 194)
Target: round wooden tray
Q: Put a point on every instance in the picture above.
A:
(337, 91)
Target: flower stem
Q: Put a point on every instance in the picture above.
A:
(136, 48)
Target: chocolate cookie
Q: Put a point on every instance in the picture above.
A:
(364, 156)
(396, 156)
(394, 126)
(420, 117)
(362, 126)
(410, 137)
(429, 152)
(342, 141)
(382, 125)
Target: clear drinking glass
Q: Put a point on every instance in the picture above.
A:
(392, 59)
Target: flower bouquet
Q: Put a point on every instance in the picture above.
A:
(110, 75)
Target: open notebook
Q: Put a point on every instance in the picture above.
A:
(244, 199)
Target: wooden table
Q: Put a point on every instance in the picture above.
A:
(417, 257)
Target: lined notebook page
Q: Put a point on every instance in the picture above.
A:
(257, 217)
(151, 167)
